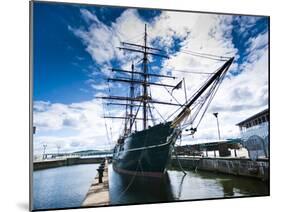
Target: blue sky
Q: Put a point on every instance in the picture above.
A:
(61, 63)
(74, 47)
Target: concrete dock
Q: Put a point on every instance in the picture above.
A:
(46, 164)
(98, 194)
(236, 166)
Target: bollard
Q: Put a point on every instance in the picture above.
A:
(100, 172)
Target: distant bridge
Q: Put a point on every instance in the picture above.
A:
(79, 154)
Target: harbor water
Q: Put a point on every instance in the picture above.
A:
(178, 186)
(66, 187)
(62, 187)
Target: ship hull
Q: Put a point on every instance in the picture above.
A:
(145, 153)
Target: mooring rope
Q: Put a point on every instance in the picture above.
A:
(132, 179)
(179, 161)
(128, 186)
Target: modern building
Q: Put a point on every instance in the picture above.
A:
(255, 134)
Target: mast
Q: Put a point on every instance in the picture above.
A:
(126, 120)
(145, 95)
(131, 96)
(144, 99)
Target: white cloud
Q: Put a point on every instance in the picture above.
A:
(99, 86)
(256, 48)
(101, 40)
(198, 32)
(206, 33)
(65, 124)
(238, 97)
(89, 16)
(245, 24)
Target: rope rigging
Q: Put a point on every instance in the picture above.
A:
(202, 102)
(206, 56)
(195, 103)
(106, 128)
(192, 72)
(207, 99)
(135, 150)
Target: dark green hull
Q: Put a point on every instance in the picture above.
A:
(146, 152)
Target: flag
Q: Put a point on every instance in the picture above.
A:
(178, 86)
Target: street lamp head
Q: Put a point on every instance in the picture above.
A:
(215, 114)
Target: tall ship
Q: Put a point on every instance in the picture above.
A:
(147, 151)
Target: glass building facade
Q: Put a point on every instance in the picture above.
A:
(255, 134)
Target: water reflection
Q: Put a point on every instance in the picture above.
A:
(67, 186)
(178, 197)
(243, 187)
(202, 185)
(125, 189)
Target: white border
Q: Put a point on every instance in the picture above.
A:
(14, 88)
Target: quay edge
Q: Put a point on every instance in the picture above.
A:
(235, 166)
(46, 164)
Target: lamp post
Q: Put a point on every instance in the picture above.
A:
(58, 148)
(44, 147)
(216, 115)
